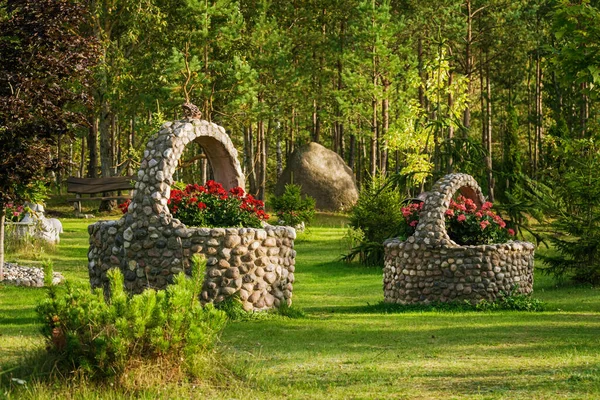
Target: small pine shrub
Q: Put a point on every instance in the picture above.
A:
(100, 337)
(292, 208)
(378, 215)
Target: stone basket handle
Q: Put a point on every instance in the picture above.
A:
(432, 227)
(161, 157)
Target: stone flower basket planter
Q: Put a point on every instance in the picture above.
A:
(429, 266)
(150, 247)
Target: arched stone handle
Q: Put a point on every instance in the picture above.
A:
(161, 157)
(432, 226)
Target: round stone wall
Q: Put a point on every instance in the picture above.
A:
(150, 247)
(430, 267)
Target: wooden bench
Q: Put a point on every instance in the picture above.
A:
(93, 186)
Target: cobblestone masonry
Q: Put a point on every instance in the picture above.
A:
(150, 247)
(429, 266)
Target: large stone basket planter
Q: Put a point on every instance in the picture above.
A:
(150, 247)
(430, 267)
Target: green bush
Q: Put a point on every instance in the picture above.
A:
(378, 211)
(378, 215)
(293, 209)
(100, 337)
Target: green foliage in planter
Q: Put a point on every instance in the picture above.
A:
(99, 337)
(292, 208)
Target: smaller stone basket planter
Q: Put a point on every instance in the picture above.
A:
(150, 247)
(430, 267)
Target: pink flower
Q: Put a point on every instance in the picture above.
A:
(15, 214)
(484, 224)
(461, 207)
(486, 206)
(414, 223)
(461, 218)
(449, 213)
(479, 214)
(406, 212)
(470, 205)
(511, 232)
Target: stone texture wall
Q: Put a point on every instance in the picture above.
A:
(429, 266)
(150, 247)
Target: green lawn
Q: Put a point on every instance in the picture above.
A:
(344, 349)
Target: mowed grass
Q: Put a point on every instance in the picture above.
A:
(342, 348)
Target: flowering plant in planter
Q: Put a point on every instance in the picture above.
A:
(210, 205)
(14, 212)
(466, 223)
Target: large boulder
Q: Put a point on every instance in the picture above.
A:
(322, 174)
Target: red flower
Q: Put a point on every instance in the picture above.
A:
(470, 205)
(125, 206)
(461, 218)
(484, 223)
(486, 206)
(461, 207)
(449, 213)
(511, 232)
(414, 223)
(201, 205)
(237, 191)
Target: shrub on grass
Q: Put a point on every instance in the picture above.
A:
(101, 337)
(291, 208)
(377, 214)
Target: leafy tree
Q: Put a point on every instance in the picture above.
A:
(46, 49)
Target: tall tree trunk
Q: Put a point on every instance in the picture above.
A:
(130, 144)
(468, 63)
(59, 170)
(360, 162)
(374, 134)
(71, 158)
(204, 170)
(530, 139)
(340, 87)
(352, 152)
(82, 160)
(279, 156)
(538, 111)
(450, 161)
(316, 123)
(92, 140)
(106, 141)
(488, 158)
(585, 110)
(385, 120)
(292, 128)
(421, 73)
(262, 159)
(249, 157)
(107, 156)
